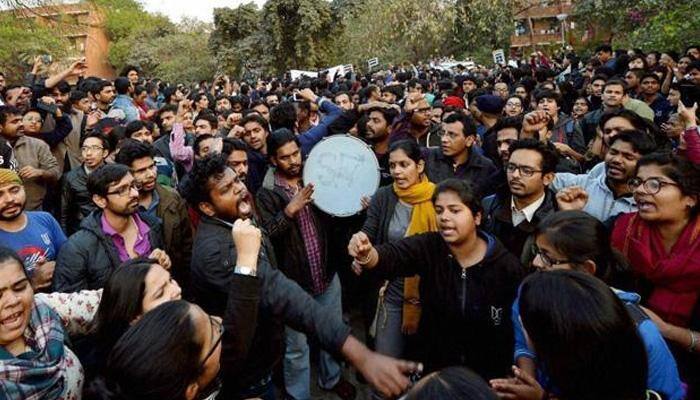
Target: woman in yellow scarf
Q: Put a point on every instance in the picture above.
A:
(396, 211)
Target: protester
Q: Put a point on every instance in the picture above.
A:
(114, 233)
(224, 200)
(574, 240)
(397, 211)
(468, 283)
(584, 335)
(36, 362)
(163, 204)
(512, 215)
(76, 201)
(660, 241)
(456, 157)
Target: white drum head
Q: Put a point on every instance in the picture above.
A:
(342, 169)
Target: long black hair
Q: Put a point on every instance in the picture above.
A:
(452, 383)
(121, 303)
(583, 336)
(156, 358)
(580, 237)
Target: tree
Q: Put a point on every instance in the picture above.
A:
(297, 33)
(483, 25)
(21, 39)
(646, 24)
(237, 40)
(397, 30)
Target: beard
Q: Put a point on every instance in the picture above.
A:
(6, 218)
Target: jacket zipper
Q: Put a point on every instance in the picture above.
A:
(464, 301)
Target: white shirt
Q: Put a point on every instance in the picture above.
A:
(527, 213)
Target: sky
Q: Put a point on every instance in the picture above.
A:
(200, 9)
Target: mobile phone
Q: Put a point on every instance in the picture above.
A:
(46, 59)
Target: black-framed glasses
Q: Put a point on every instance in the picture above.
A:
(651, 185)
(125, 190)
(524, 170)
(217, 326)
(547, 261)
(87, 149)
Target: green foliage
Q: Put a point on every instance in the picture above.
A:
(23, 39)
(646, 24)
(237, 40)
(483, 25)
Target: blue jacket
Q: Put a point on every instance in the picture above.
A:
(663, 372)
(126, 104)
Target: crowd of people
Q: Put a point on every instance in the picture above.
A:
(535, 234)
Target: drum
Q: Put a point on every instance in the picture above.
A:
(342, 169)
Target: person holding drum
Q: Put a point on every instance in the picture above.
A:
(298, 234)
(468, 284)
(396, 211)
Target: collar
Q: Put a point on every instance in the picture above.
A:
(528, 211)
(108, 230)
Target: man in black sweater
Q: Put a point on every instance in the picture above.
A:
(221, 198)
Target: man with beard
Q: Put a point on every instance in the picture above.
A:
(76, 202)
(103, 93)
(164, 204)
(141, 131)
(34, 235)
(456, 157)
(380, 116)
(298, 234)
(36, 165)
(236, 152)
(114, 233)
(67, 152)
(219, 196)
(256, 130)
(415, 124)
(604, 188)
(513, 215)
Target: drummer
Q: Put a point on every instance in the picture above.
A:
(297, 231)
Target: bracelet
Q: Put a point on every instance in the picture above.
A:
(693, 341)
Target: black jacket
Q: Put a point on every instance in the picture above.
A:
(466, 313)
(245, 359)
(287, 239)
(76, 201)
(379, 214)
(497, 221)
(478, 169)
(88, 258)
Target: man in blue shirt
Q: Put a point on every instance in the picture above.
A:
(34, 235)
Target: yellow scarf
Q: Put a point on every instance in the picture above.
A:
(423, 219)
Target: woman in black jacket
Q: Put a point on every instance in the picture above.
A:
(468, 284)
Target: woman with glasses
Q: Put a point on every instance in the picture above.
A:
(586, 340)
(514, 106)
(172, 352)
(397, 211)
(576, 241)
(35, 361)
(662, 243)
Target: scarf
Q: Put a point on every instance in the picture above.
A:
(423, 219)
(38, 373)
(675, 275)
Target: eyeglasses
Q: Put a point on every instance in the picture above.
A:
(651, 185)
(513, 105)
(125, 190)
(217, 326)
(31, 119)
(547, 261)
(522, 169)
(90, 149)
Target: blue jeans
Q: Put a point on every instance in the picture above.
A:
(297, 368)
(390, 340)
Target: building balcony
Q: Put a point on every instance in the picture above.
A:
(535, 39)
(543, 11)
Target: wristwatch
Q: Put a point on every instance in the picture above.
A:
(243, 270)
